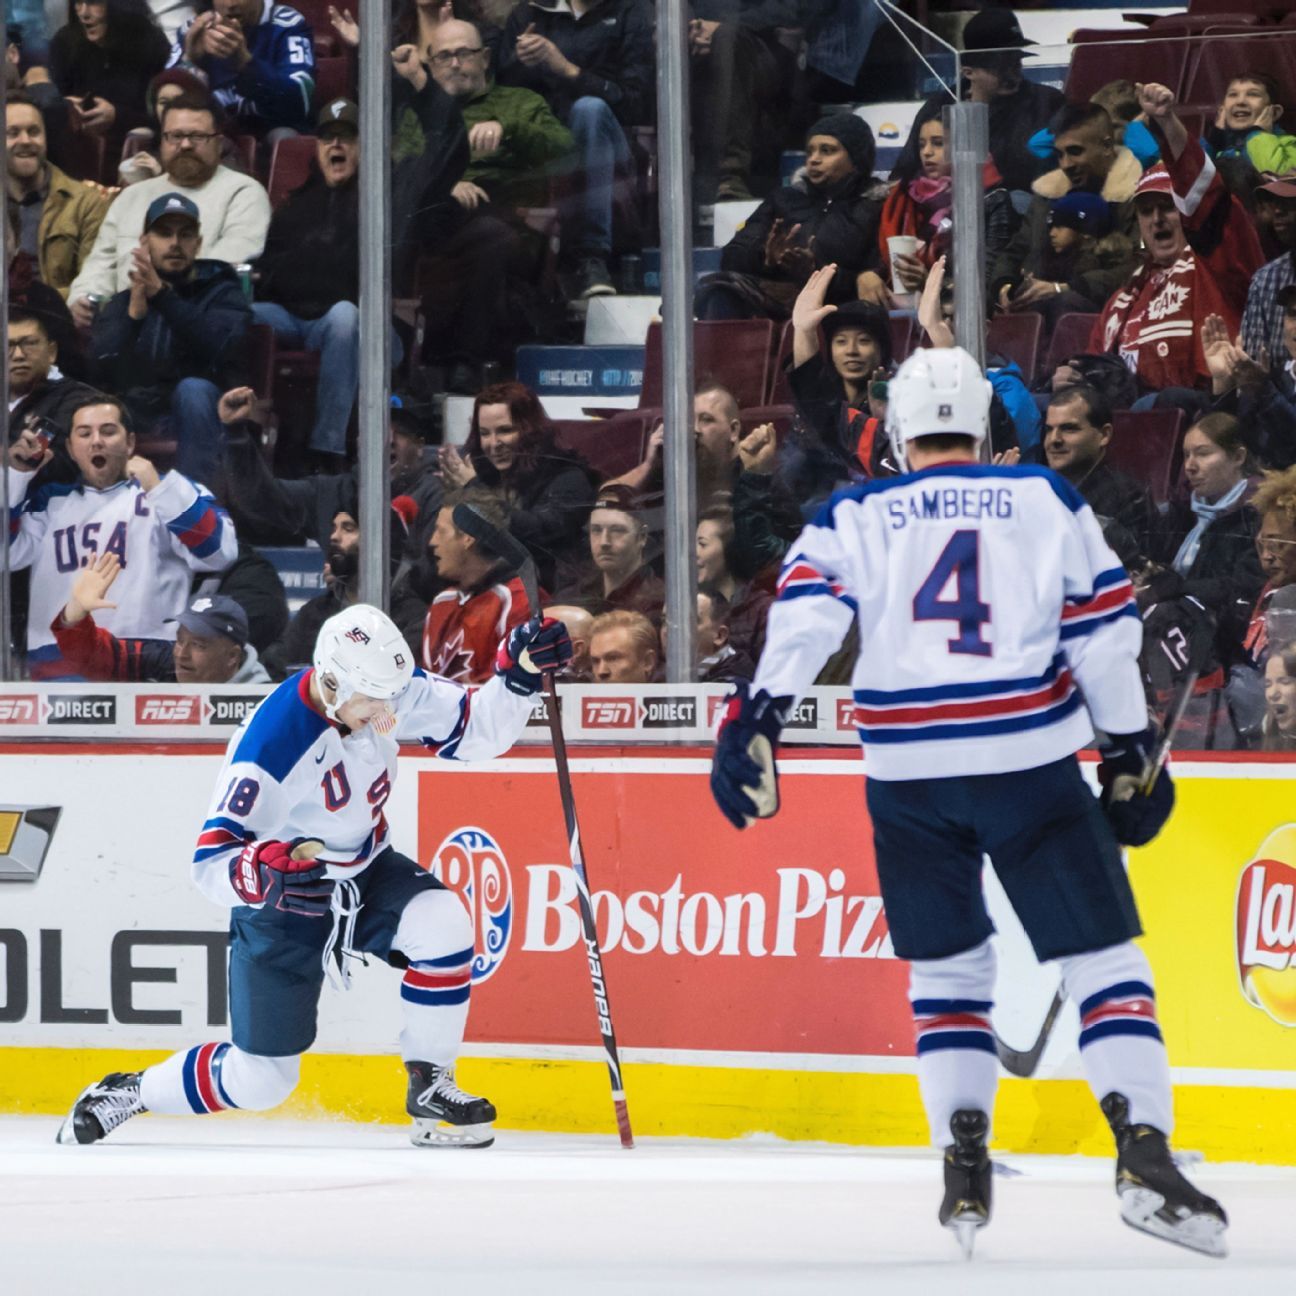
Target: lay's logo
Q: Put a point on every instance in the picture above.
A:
(1266, 927)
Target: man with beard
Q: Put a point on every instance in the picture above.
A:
(233, 208)
(310, 276)
(717, 430)
(162, 529)
(1262, 320)
(259, 60)
(57, 217)
(341, 578)
(176, 338)
(211, 644)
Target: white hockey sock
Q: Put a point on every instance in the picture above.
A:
(436, 935)
(1120, 1041)
(957, 1064)
(214, 1077)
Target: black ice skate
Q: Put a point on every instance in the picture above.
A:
(445, 1116)
(968, 1176)
(1154, 1196)
(101, 1107)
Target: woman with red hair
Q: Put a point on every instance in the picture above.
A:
(548, 492)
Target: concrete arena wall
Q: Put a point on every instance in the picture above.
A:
(751, 977)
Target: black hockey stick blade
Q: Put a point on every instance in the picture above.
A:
(1177, 710)
(1024, 1062)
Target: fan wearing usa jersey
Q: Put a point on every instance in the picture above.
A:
(297, 846)
(162, 529)
(997, 631)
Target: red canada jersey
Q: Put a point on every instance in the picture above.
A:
(463, 630)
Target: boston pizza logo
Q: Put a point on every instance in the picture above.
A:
(470, 863)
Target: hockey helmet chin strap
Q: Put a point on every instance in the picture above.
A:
(343, 691)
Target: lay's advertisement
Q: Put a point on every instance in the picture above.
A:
(1217, 891)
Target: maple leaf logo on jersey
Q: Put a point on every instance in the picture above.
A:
(454, 661)
(1168, 301)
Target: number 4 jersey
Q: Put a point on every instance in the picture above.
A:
(991, 615)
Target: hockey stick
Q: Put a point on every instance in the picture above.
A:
(1023, 1062)
(516, 557)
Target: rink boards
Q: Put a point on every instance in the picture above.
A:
(751, 976)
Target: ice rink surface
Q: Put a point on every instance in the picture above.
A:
(243, 1207)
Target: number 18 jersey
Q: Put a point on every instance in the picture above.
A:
(996, 626)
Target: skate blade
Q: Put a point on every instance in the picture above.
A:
(964, 1227)
(1198, 1232)
(426, 1132)
(67, 1131)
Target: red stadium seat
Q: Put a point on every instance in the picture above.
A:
(1070, 337)
(334, 79)
(1094, 65)
(738, 354)
(1193, 24)
(1218, 60)
(1148, 445)
(1016, 338)
(290, 164)
(610, 446)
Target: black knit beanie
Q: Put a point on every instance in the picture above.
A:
(852, 133)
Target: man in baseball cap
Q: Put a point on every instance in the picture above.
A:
(310, 277)
(173, 340)
(211, 644)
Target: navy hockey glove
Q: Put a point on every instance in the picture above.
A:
(1135, 817)
(744, 776)
(266, 873)
(532, 648)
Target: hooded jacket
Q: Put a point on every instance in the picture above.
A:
(193, 329)
(1030, 244)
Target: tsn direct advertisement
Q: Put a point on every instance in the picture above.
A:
(748, 954)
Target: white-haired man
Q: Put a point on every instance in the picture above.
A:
(297, 836)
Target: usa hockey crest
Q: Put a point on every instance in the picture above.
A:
(471, 864)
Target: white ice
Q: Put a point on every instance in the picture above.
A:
(241, 1207)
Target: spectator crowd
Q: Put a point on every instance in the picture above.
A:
(183, 255)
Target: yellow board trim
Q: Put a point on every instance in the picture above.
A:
(1225, 1123)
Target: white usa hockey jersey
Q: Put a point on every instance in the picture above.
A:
(991, 614)
(161, 537)
(290, 772)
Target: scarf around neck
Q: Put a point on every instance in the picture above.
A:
(1206, 514)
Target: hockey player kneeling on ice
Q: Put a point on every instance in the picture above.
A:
(296, 845)
(997, 630)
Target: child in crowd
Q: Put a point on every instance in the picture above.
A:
(1080, 241)
(1246, 126)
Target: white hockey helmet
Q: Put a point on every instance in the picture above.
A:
(938, 390)
(361, 651)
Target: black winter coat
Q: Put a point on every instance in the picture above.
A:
(548, 510)
(312, 253)
(843, 221)
(118, 70)
(1225, 575)
(611, 43)
(194, 329)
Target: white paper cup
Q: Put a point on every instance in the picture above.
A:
(903, 245)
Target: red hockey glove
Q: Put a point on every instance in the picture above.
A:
(265, 873)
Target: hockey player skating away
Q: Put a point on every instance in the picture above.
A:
(992, 616)
(296, 845)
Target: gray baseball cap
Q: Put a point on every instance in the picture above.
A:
(217, 615)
